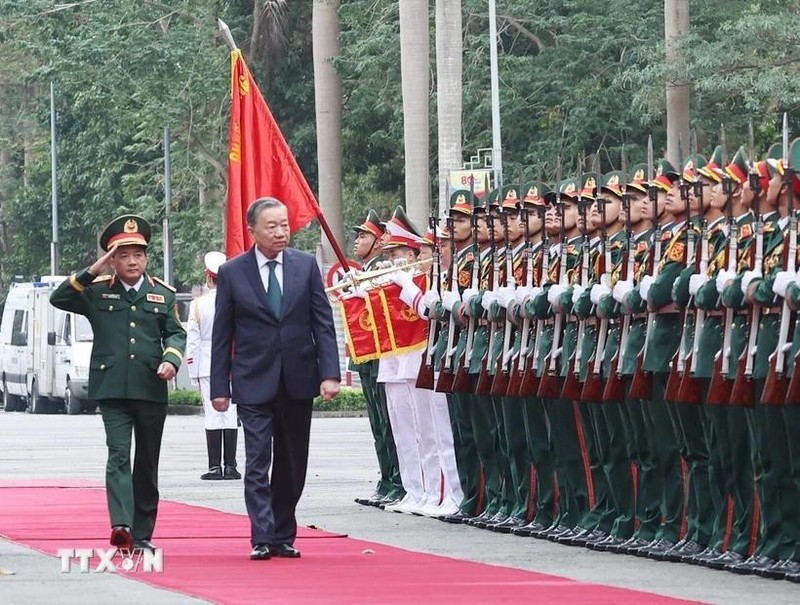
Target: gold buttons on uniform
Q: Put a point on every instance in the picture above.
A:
(102, 366)
(133, 307)
(155, 309)
(132, 356)
(133, 341)
(110, 307)
(133, 324)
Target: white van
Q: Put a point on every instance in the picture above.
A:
(44, 352)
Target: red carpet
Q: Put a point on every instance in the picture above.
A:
(205, 555)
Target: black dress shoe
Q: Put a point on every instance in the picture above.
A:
(683, 551)
(575, 537)
(608, 544)
(656, 549)
(705, 557)
(144, 545)
(726, 559)
(507, 526)
(260, 552)
(459, 517)
(286, 551)
(480, 519)
(592, 537)
(213, 474)
(495, 519)
(633, 545)
(121, 537)
(777, 571)
(231, 474)
(533, 528)
(552, 532)
(752, 565)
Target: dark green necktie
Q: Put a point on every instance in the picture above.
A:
(132, 294)
(274, 289)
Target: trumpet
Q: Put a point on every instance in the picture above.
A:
(353, 280)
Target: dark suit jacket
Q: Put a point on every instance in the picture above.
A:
(253, 349)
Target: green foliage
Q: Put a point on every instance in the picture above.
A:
(185, 397)
(347, 400)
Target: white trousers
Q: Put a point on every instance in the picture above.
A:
(214, 419)
(403, 419)
(445, 449)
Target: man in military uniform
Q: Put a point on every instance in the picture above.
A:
(368, 247)
(138, 347)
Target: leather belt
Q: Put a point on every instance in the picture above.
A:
(771, 310)
(591, 321)
(639, 315)
(549, 321)
(483, 323)
(721, 312)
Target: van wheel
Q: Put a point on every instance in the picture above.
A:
(11, 403)
(72, 403)
(36, 403)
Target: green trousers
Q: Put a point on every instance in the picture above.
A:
(469, 467)
(518, 456)
(133, 496)
(541, 457)
(389, 483)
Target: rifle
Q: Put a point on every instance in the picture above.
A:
(484, 385)
(425, 373)
(502, 369)
(689, 389)
(744, 392)
(719, 389)
(548, 385)
(615, 385)
(572, 388)
(776, 387)
(518, 366)
(642, 382)
(530, 377)
(446, 375)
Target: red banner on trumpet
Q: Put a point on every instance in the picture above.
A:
(381, 325)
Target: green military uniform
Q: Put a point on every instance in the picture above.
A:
(134, 332)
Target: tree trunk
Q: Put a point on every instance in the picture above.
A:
(414, 65)
(676, 24)
(328, 101)
(449, 66)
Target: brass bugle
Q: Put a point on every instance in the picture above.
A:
(367, 275)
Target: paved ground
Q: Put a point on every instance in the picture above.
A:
(341, 468)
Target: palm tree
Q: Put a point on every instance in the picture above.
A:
(328, 97)
(448, 91)
(676, 24)
(414, 67)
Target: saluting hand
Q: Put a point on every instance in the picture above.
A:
(102, 263)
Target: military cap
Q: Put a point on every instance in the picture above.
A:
(372, 224)
(126, 230)
(588, 185)
(614, 181)
(639, 178)
(510, 197)
(568, 190)
(739, 166)
(665, 175)
(535, 194)
(691, 167)
(430, 238)
(713, 168)
(462, 201)
(401, 231)
(213, 261)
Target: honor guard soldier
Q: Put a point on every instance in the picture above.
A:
(368, 247)
(138, 347)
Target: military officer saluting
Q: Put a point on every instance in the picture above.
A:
(138, 347)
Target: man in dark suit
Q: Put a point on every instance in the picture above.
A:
(273, 349)
(138, 347)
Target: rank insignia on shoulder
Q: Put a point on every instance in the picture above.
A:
(100, 279)
(156, 298)
(110, 295)
(165, 284)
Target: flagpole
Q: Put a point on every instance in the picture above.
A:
(55, 262)
(337, 250)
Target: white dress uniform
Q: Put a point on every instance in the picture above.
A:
(198, 359)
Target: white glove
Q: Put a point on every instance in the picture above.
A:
(782, 281)
(723, 277)
(521, 293)
(555, 292)
(577, 290)
(409, 293)
(505, 295)
(621, 290)
(598, 292)
(489, 297)
(469, 294)
(355, 292)
(429, 298)
(535, 291)
(747, 277)
(401, 278)
(449, 300)
(697, 281)
(644, 286)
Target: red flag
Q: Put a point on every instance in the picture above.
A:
(260, 162)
